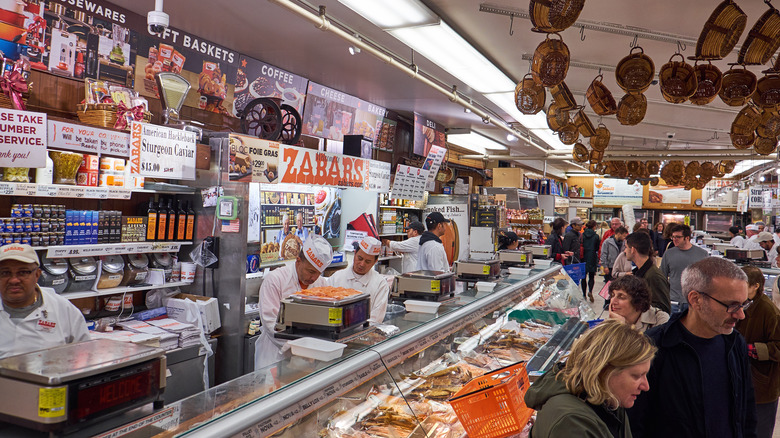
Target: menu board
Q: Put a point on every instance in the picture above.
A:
(255, 79)
(615, 191)
(432, 163)
(427, 133)
(253, 159)
(409, 183)
(331, 114)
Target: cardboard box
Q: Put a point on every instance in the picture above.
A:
(507, 177)
(208, 307)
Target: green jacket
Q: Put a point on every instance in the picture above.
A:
(761, 327)
(564, 415)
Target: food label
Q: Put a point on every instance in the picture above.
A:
(51, 402)
(334, 316)
(486, 269)
(523, 258)
(435, 285)
(546, 251)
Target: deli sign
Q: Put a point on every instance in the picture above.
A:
(306, 166)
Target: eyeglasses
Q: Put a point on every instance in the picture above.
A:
(677, 236)
(730, 308)
(21, 274)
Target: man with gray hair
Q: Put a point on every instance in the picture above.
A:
(700, 380)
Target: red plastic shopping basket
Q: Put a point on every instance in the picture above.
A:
(492, 406)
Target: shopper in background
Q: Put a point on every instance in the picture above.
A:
(409, 247)
(736, 239)
(432, 256)
(507, 240)
(280, 283)
(589, 394)
(630, 303)
(657, 236)
(555, 241)
(590, 247)
(776, 235)
(614, 223)
(761, 329)
(571, 241)
(363, 277)
(33, 317)
(643, 223)
(700, 382)
(676, 260)
(610, 250)
(767, 243)
(668, 236)
(639, 251)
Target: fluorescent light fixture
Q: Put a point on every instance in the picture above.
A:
(745, 165)
(510, 137)
(473, 141)
(393, 14)
(354, 50)
(777, 171)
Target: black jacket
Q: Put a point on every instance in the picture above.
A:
(571, 242)
(556, 247)
(428, 235)
(590, 245)
(673, 407)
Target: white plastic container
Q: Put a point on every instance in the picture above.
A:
(421, 306)
(319, 349)
(544, 263)
(519, 271)
(485, 286)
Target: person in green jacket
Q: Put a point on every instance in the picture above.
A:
(590, 252)
(588, 396)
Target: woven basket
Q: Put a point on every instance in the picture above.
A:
(593, 168)
(600, 98)
(568, 134)
(554, 15)
(631, 109)
(5, 101)
(550, 62)
(580, 153)
(721, 31)
(102, 114)
(744, 126)
(530, 97)
(708, 83)
(738, 86)
(584, 124)
(653, 167)
(768, 125)
(762, 40)
(600, 141)
(596, 156)
(693, 169)
(765, 146)
(643, 172)
(707, 169)
(563, 97)
(556, 117)
(767, 95)
(743, 141)
(677, 80)
(633, 167)
(635, 72)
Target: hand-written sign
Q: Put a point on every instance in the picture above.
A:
(304, 166)
(22, 138)
(160, 152)
(80, 138)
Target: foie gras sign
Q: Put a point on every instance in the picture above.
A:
(161, 152)
(22, 138)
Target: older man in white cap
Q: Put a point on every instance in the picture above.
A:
(280, 283)
(31, 317)
(751, 231)
(362, 276)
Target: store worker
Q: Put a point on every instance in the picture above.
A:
(300, 230)
(736, 239)
(363, 277)
(32, 317)
(751, 233)
(700, 382)
(409, 247)
(508, 240)
(282, 282)
(767, 242)
(432, 256)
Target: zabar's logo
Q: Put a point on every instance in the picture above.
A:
(47, 324)
(12, 248)
(314, 259)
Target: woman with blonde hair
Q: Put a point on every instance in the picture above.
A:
(589, 394)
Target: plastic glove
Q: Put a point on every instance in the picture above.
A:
(752, 352)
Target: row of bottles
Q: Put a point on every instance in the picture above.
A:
(275, 215)
(168, 223)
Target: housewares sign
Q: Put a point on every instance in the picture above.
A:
(22, 138)
(160, 152)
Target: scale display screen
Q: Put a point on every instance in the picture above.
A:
(98, 395)
(355, 313)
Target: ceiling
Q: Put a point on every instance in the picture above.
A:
(269, 32)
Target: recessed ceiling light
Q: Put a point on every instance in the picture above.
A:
(510, 137)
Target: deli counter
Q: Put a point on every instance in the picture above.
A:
(394, 384)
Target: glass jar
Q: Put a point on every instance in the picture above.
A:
(136, 269)
(54, 274)
(83, 272)
(112, 271)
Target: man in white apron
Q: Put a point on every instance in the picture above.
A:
(280, 283)
(363, 277)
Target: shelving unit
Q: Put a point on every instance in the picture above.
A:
(77, 192)
(392, 235)
(400, 208)
(101, 249)
(119, 290)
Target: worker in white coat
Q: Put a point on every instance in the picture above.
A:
(280, 283)
(363, 277)
(431, 256)
(409, 247)
(33, 318)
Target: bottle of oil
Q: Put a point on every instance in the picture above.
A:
(171, 221)
(151, 221)
(181, 222)
(162, 221)
(190, 222)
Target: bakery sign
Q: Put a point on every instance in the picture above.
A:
(161, 152)
(306, 166)
(22, 138)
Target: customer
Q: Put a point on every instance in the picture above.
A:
(610, 251)
(614, 224)
(630, 303)
(431, 255)
(409, 247)
(676, 260)
(761, 329)
(590, 247)
(668, 236)
(589, 395)
(700, 380)
(507, 240)
(555, 241)
(659, 242)
(639, 252)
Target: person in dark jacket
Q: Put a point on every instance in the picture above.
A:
(590, 250)
(659, 242)
(639, 251)
(508, 240)
(761, 329)
(692, 394)
(589, 395)
(555, 240)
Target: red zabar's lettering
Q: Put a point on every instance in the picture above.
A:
(289, 158)
(322, 168)
(306, 174)
(313, 258)
(359, 172)
(348, 167)
(334, 173)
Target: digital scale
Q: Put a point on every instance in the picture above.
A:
(425, 285)
(539, 251)
(63, 388)
(722, 247)
(333, 319)
(709, 241)
(744, 255)
(521, 258)
(478, 269)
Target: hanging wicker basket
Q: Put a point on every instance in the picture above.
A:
(600, 98)
(554, 15)
(738, 86)
(743, 128)
(721, 32)
(568, 134)
(596, 156)
(600, 141)
(584, 124)
(762, 40)
(635, 72)
(530, 97)
(769, 125)
(767, 95)
(550, 62)
(563, 97)
(677, 80)
(556, 117)
(632, 109)
(580, 153)
(653, 167)
(765, 146)
(708, 83)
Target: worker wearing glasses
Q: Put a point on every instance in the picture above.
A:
(700, 380)
(676, 259)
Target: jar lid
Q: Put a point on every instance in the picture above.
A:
(138, 261)
(162, 259)
(55, 266)
(83, 265)
(112, 263)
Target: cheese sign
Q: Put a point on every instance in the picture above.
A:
(305, 166)
(22, 138)
(161, 152)
(80, 138)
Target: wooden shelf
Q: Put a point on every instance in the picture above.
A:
(400, 208)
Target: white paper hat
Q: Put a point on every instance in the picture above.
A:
(371, 246)
(318, 251)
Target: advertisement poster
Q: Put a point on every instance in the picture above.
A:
(614, 191)
(331, 114)
(456, 237)
(255, 79)
(728, 199)
(160, 152)
(306, 166)
(432, 163)
(385, 141)
(742, 200)
(427, 133)
(663, 194)
(22, 138)
(81, 138)
(253, 159)
(409, 183)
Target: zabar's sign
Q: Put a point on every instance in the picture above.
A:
(305, 166)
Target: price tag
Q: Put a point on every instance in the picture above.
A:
(119, 193)
(334, 315)
(435, 285)
(70, 192)
(7, 189)
(96, 192)
(48, 190)
(26, 189)
(486, 269)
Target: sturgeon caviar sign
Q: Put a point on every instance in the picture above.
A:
(160, 152)
(22, 138)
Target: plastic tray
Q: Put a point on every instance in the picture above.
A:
(314, 348)
(421, 306)
(485, 286)
(519, 271)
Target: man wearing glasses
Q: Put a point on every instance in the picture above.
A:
(700, 380)
(676, 259)
(32, 318)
